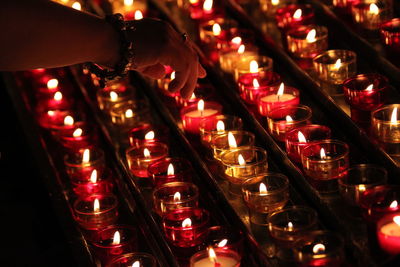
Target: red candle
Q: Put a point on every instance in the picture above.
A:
(390, 35)
(170, 170)
(54, 101)
(294, 15)
(146, 133)
(51, 87)
(252, 84)
(186, 227)
(77, 137)
(192, 115)
(56, 119)
(277, 96)
(95, 184)
(225, 238)
(388, 232)
(202, 91)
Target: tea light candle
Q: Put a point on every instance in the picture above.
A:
(203, 10)
(113, 94)
(388, 232)
(231, 140)
(170, 170)
(54, 101)
(390, 36)
(136, 259)
(277, 96)
(294, 15)
(97, 183)
(245, 54)
(307, 41)
(83, 162)
(300, 137)
(265, 194)
(139, 158)
(56, 119)
(325, 162)
(253, 83)
(251, 64)
(216, 31)
(202, 91)
(269, 7)
(175, 195)
(78, 137)
(221, 125)
(128, 114)
(370, 15)
(225, 237)
(186, 227)
(194, 114)
(164, 82)
(96, 211)
(128, 8)
(147, 133)
(283, 119)
(214, 257)
(344, 5)
(51, 87)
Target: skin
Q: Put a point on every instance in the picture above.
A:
(43, 34)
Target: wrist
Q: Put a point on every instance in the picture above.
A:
(109, 47)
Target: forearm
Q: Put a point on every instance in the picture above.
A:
(44, 34)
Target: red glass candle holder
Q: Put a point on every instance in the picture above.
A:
(252, 84)
(320, 248)
(78, 137)
(218, 257)
(164, 82)
(283, 119)
(81, 163)
(192, 115)
(325, 162)
(269, 7)
(246, 64)
(114, 241)
(390, 36)
(175, 195)
(388, 233)
(300, 137)
(202, 91)
(277, 96)
(130, 259)
(221, 124)
(54, 101)
(231, 140)
(204, 10)
(139, 158)
(307, 41)
(186, 227)
(147, 133)
(51, 87)
(55, 120)
(370, 16)
(225, 237)
(168, 170)
(96, 183)
(292, 16)
(96, 211)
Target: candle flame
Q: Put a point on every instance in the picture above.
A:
(77, 6)
(129, 113)
(318, 248)
(393, 117)
(216, 29)
(116, 238)
(394, 204)
(128, 2)
(173, 75)
(193, 1)
(138, 15)
(256, 84)
(200, 105)
(373, 9)
(241, 49)
(86, 156)
(58, 96)
(290, 226)
(113, 96)
(149, 136)
(301, 137)
(52, 83)
(211, 255)
(146, 153)
(208, 4)
(241, 160)
(193, 96)
(369, 88)
(275, 2)
(253, 66)
(311, 36)
(222, 243)
(170, 170)
(322, 153)
(297, 14)
(96, 205)
(396, 220)
(77, 133)
(50, 112)
(289, 118)
(93, 176)
(231, 140)
(136, 264)
(236, 40)
(220, 126)
(187, 222)
(69, 120)
(338, 64)
(263, 189)
(281, 89)
(177, 196)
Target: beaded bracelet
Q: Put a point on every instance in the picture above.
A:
(126, 52)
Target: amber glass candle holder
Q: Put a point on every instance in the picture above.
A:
(385, 127)
(242, 65)
(96, 211)
(221, 257)
(240, 164)
(320, 248)
(114, 94)
(225, 237)
(147, 133)
(175, 195)
(369, 16)
(302, 136)
(229, 58)
(291, 224)
(221, 124)
(283, 119)
(170, 170)
(129, 114)
(325, 162)
(344, 6)
(82, 162)
(130, 259)
(211, 36)
(264, 194)
(360, 178)
(231, 140)
(390, 36)
(252, 84)
(307, 41)
(294, 15)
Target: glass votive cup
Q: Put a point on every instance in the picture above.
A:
(168, 170)
(228, 58)
(186, 227)
(303, 43)
(109, 244)
(54, 101)
(54, 120)
(289, 225)
(243, 65)
(113, 94)
(302, 136)
(81, 163)
(320, 248)
(139, 158)
(164, 82)
(221, 257)
(130, 259)
(81, 135)
(385, 127)
(231, 140)
(379, 201)
(289, 16)
(127, 115)
(388, 233)
(93, 184)
(325, 162)
(221, 124)
(192, 115)
(96, 211)
(243, 163)
(344, 5)
(211, 35)
(277, 96)
(360, 178)
(252, 84)
(175, 195)
(225, 237)
(269, 7)
(283, 119)
(370, 16)
(264, 194)
(390, 36)
(203, 91)
(147, 133)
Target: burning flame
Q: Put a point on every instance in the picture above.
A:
(373, 9)
(200, 106)
(369, 88)
(116, 238)
(290, 226)
(170, 170)
(281, 90)
(318, 248)
(256, 84)
(96, 205)
(394, 204)
(216, 29)
(361, 188)
(289, 118)
(396, 220)
(58, 96)
(322, 153)
(77, 6)
(311, 36)
(193, 1)
(236, 40)
(136, 264)
(393, 117)
(193, 96)
(52, 83)
(241, 160)
(177, 196)
(241, 49)
(208, 4)
(128, 2)
(263, 189)
(211, 255)
(138, 15)
(173, 75)
(231, 140)
(338, 64)
(220, 126)
(222, 243)
(69, 120)
(253, 66)
(187, 222)
(86, 156)
(149, 136)
(77, 133)
(113, 96)
(275, 2)
(50, 112)
(129, 113)
(93, 176)
(298, 14)
(146, 153)
(301, 137)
